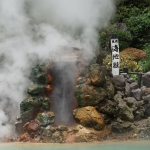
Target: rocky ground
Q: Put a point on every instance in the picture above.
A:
(109, 108)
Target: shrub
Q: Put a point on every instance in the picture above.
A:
(128, 57)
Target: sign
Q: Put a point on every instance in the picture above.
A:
(115, 54)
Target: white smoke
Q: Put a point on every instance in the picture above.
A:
(33, 30)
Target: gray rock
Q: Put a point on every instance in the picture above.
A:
(147, 110)
(127, 90)
(109, 108)
(146, 99)
(125, 112)
(137, 94)
(119, 81)
(131, 80)
(121, 128)
(134, 86)
(146, 79)
(131, 102)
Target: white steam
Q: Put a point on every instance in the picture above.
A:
(33, 30)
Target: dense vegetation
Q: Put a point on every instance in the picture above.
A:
(132, 24)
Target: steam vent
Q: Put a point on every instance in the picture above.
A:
(70, 100)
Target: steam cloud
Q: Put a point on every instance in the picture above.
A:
(34, 30)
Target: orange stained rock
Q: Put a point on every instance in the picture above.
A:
(49, 79)
(24, 137)
(48, 89)
(33, 126)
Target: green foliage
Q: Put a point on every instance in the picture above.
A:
(124, 37)
(126, 59)
(135, 14)
(145, 63)
(139, 25)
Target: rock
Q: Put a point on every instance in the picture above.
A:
(33, 126)
(29, 108)
(24, 137)
(137, 94)
(146, 92)
(89, 95)
(83, 80)
(121, 128)
(88, 116)
(52, 129)
(125, 113)
(97, 75)
(44, 78)
(119, 81)
(56, 135)
(62, 128)
(109, 108)
(45, 118)
(134, 86)
(90, 135)
(29, 104)
(130, 80)
(46, 132)
(131, 102)
(147, 110)
(117, 97)
(148, 122)
(146, 79)
(18, 127)
(127, 90)
(109, 87)
(45, 103)
(36, 90)
(146, 99)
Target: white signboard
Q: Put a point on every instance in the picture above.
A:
(115, 56)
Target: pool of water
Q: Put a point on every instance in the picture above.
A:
(138, 145)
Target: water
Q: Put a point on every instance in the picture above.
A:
(138, 145)
(63, 100)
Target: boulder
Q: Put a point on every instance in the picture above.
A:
(131, 102)
(33, 126)
(134, 86)
(83, 80)
(117, 127)
(109, 108)
(119, 82)
(36, 90)
(127, 90)
(109, 87)
(45, 103)
(88, 116)
(45, 118)
(146, 79)
(89, 95)
(146, 98)
(29, 108)
(89, 135)
(125, 113)
(137, 94)
(44, 78)
(130, 80)
(146, 92)
(147, 110)
(97, 75)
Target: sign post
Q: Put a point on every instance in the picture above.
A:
(115, 54)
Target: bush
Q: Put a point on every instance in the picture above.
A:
(128, 57)
(123, 35)
(145, 63)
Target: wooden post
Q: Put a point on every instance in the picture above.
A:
(115, 54)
